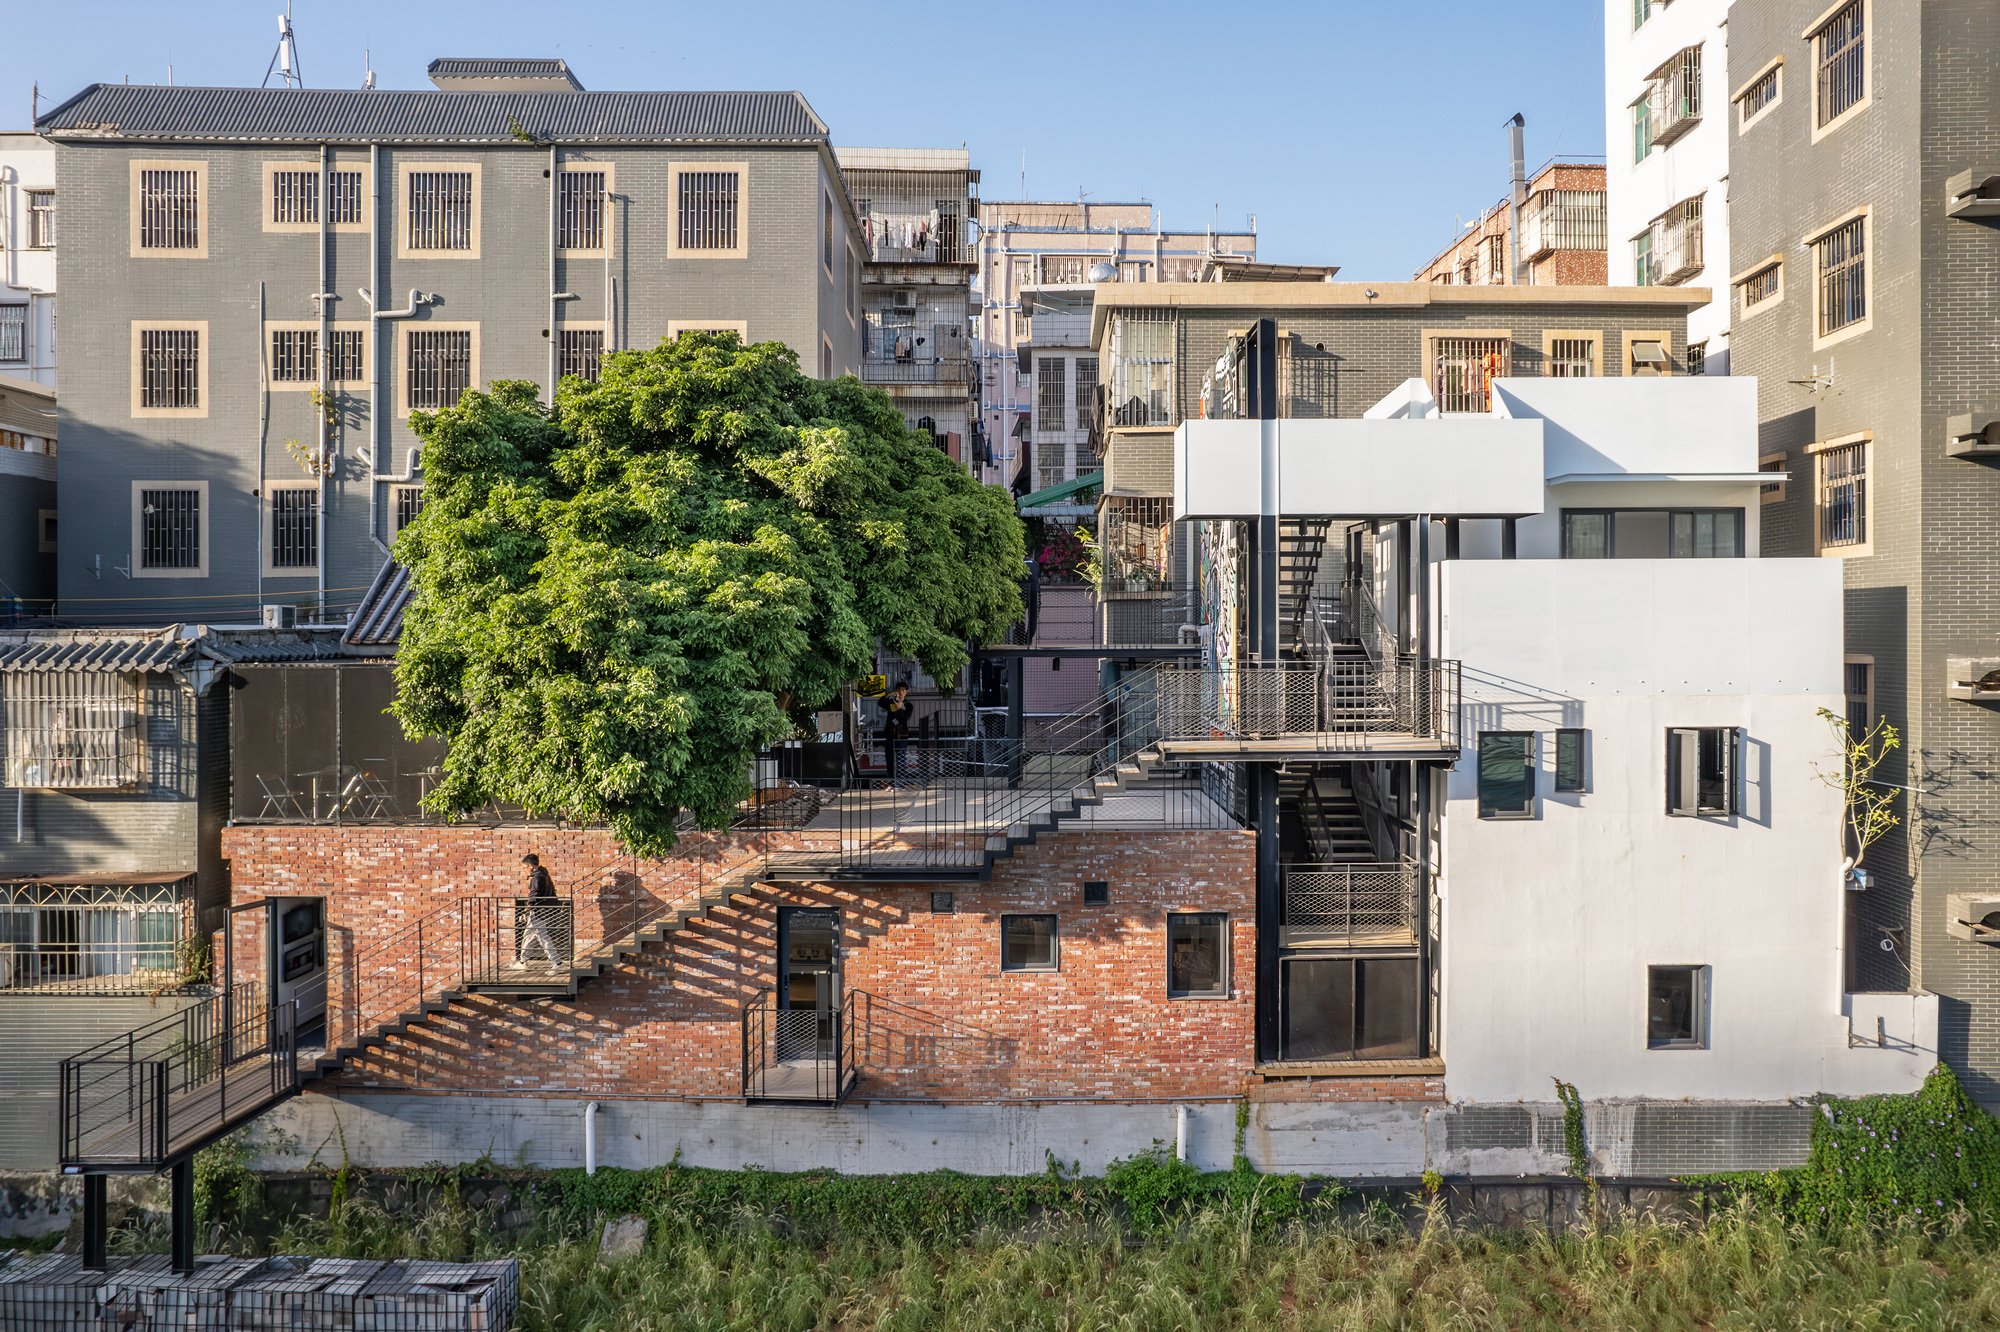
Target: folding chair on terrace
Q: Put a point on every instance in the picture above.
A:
(279, 798)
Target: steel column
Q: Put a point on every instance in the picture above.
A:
(183, 1226)
(96, 1223)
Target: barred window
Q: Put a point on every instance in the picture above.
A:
(1572, 358)
(1051, 393)
(1843, 495)
(1762, 92)
(708, 210)
(1760, 286)
(583, 352)
(1697, 358)
(295, 196)
(294, 355)
(440, 210)
(294, 528)
(73, 729)
(349, 360)
(826, 237)
(14, 332)
(170, 368)
(169, 210)
(409, 503)
(170, 529)
(1843, 290)
(1840, 53)
(343, 193)
(440, 367)
(41, 219)
(1463, 371)
(580, 211)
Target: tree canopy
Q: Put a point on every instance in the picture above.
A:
(614, 596)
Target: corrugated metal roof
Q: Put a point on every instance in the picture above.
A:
(115, 111)
(260, 649)
(378, 620)
(479, 67)
(97, 652)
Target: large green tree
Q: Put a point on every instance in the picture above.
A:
(615, 596)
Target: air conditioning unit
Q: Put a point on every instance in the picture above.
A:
(903, 300)
(281, 617)
(1974, 916)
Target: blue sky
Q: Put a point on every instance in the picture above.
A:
(1353, 131)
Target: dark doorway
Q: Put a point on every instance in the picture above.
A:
(808, 982)
(1349, 1008)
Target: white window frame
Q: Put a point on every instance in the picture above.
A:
(36, 228)
(203, 212)
(134, 561)
(1868, 44)
(204, 386)
(1744, 118)
(404, 170)
(675, 171)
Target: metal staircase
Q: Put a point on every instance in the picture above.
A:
(1301, 543)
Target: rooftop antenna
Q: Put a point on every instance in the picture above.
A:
(368, 69)
(1024, 175)
(285, 60)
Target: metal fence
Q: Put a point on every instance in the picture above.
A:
(1348, 903)
(798, 1054)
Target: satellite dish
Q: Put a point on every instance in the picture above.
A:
(1104, 272)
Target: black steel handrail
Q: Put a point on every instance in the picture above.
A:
(799, 1054)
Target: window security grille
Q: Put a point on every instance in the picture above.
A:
(826, 231)
(1843, 291)
(1676, 250)
(170, 368)
(440, 210)
(1673, 99)
(1142, 368)
(1051, 394)
(1760, 287)
(1760, 94)
(169, 210)
(1840, 52)
(349, 363)
(1771, 491)
(1697, 358)
(1572, 358)
(1563, 220)
(294, 356)
(1496, 260)
(1843, 495)
(1463, 372)
(1180, 269)
(295, 196)
(344, 198)
(13, 332)
(73, 729)
(708, 210)
(170, 529)
(1860, 696)
(582, 352)
(440, 367)
(1066, 269)
(580, 211)
(41, 219)
(294, 529)
(409, 503)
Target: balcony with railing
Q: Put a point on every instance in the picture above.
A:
(1562, 220)
(1676, 250)
(1348, 905)
(129, 937)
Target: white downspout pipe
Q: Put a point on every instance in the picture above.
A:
(590, 1138)
(377, 414)
(1180, 1132)
(324, 298)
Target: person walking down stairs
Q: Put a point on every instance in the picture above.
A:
(538, 914)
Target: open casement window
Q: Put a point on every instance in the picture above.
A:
(1506, 775)
(1197, 954)
(1676, 1008)
(73, 730)
(1704, 771)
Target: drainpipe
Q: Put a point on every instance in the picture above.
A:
(590, 1138)
(554, 220)
(263, 441)
(378, 413)
(325, 299)
(1516, 199)
(1180, 1132)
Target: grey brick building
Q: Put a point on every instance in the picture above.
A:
(219, 240)
(1865, 154)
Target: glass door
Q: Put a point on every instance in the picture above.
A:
(808, 982)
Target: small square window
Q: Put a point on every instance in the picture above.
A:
(1676, 1008)
(1029, 943)
(1197, 955)
(941, 905)
(1702, 771)
(1569, 760)
(1097, 893)
(1506, 775)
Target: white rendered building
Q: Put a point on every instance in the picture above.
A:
(27, 258)
(1668, 119)
(1628, 871)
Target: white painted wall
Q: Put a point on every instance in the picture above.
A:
(1698, 162)
(1549, 923)
(27, 276)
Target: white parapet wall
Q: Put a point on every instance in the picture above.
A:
(1551, 921)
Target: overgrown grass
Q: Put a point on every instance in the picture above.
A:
(1217, 1269)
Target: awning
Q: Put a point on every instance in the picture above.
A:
(1057, 494)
